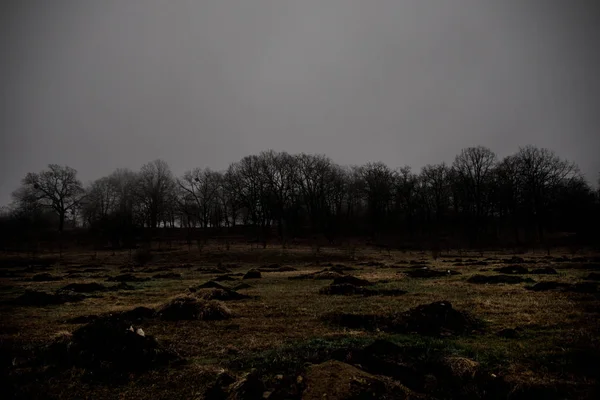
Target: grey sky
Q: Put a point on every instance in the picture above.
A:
(117, 83)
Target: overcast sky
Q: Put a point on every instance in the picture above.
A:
(104, 84)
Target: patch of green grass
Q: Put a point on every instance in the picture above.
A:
(291, 357)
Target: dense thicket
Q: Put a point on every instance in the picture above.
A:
(531, 196)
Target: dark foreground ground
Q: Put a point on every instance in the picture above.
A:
(348, 324)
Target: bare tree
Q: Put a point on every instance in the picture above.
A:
(154, 187)
(435, 189)
(278, 172)
(56, 188)
(199, 193)
(377, 183)
(474, 175)
(406, 196)
(540, 172)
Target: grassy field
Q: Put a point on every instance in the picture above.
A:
(499, 340)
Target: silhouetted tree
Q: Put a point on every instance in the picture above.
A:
(540, 172)
(56, 188)
(154, 188)
(474, 179)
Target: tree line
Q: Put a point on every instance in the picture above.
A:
(478, 199)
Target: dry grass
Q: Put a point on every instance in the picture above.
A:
(285, 312)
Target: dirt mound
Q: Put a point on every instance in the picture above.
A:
(372, 264)
(433, 319)
(220, 294)
(223, 278)
(126, 278)
(93, 270)
(549, 285)
(584, 287)
(208, 285)
(271, 266)
(16, 262)
(326, 275)
(137, 314)
(437, 318)
(495, 279)
(509, 333)
(358, 321)
(594, 276)
(84, 287)
(512, 269)
(82, 319)
(545, 271)
(352, 280)
(249, 387)
(335, 380)
(279, 269)
(122, 286)
(347, 289)
(111, 344)
(425, 272)
(340, 267)
(217, 270)
(241, 285)
(40, 299)
(478, 263)
(168, 275)
(252, 274)
(514, 260)
(286, 269)
(45, 277)
(190, 308)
